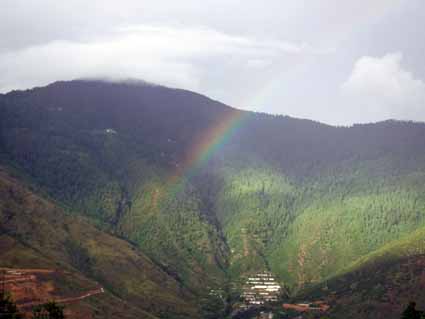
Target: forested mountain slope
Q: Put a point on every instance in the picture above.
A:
(210, 193)
(118, 178)
(380, 284)
(35, 233)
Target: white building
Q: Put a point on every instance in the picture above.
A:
(261, 288)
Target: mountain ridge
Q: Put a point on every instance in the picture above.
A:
(135, 82)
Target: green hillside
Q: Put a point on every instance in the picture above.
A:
(346, 222)
(380, 284)
(38, 234)
(302, 199)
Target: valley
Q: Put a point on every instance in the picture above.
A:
(162, 197)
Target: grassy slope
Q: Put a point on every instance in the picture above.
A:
(380, 284)
(15, 254)
(42, 235)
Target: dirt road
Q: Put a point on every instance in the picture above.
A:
(65, 300)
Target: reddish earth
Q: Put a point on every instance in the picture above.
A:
(317, 306)
(32, 287)
(63, 300)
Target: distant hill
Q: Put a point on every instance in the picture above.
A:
(209, 193)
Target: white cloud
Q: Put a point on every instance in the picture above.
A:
(171, 56)
(381, 88)
(285, 57)
(30, 22)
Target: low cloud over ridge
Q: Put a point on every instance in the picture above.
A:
(381, 86)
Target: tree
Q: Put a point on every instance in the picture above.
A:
(410, 312)
(8, 308)
(50, 310)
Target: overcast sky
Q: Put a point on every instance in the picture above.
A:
(335, 61)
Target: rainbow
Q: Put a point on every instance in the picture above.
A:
(214, 136)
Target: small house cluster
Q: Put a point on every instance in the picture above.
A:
(261, 288)
(110, 131)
